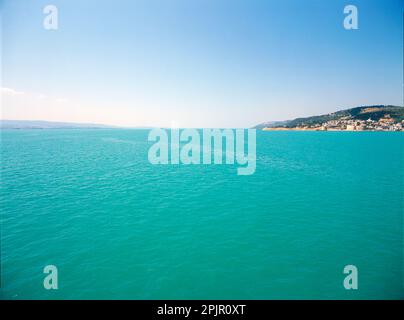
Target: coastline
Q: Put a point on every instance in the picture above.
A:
(322, 130)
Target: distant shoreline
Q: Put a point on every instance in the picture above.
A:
(53, 128)
(321, 130)
(43, 125)
(364, 118)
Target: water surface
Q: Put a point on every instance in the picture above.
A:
(89, 202)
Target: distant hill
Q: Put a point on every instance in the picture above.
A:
(28, 124)
(375, 113)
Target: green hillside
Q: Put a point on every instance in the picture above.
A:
(374, 112)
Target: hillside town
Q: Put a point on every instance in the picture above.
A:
(348, 124)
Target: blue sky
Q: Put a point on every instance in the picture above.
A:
(198, 63)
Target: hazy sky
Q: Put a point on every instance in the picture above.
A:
(198, 63)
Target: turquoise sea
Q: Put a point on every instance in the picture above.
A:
(90, 203)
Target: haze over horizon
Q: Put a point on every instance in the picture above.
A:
(197, 64)
(27, 123)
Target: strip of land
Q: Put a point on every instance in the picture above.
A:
(365, 118)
